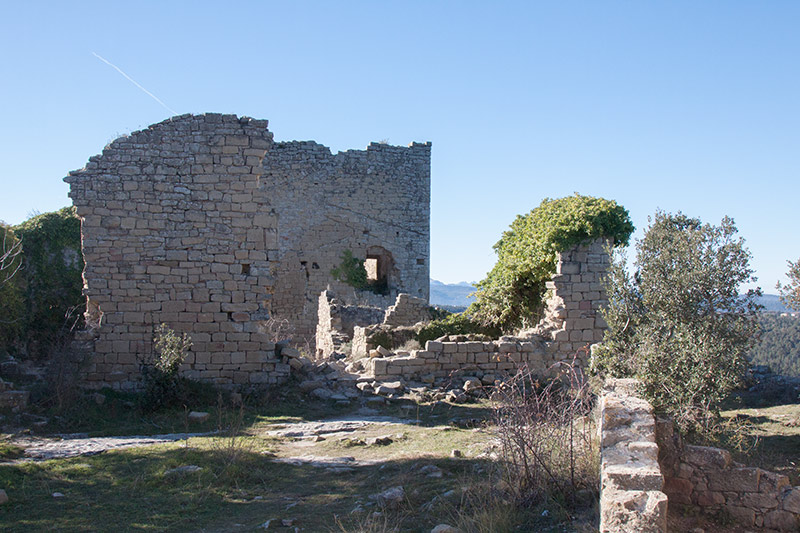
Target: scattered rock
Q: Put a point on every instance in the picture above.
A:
(185, 469)
(99, 398)
(390, 498)
(287, 522)
(431, 471)
(445, 528)
(198, 416)
(389, 387)
(322, 393)
(471, 384)
(310, 384)
(57, 495)
(383, 440)
(3, 497)
(289, 351)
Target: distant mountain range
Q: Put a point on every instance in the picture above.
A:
(457, 294)
(452, 294)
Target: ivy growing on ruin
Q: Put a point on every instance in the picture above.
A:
(512, 294)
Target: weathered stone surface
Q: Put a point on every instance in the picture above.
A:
(735, 480)
(782, 521)
(633, 512)
(202, 222)
(791, 500)
(704, 456)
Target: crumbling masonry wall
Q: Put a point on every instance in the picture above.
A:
(374, 203)
(205, 224)
(572, 323)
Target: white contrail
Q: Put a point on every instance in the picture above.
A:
(151, 95)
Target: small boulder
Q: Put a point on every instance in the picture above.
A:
(322, 393)
(99, 398)
(383, 440)
(471, 384)
(445, 528)
(391, 498)
(3, 497)
(383, 351)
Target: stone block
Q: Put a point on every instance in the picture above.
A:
(705, 456)
(736, 480)
(782, 521)
(791, 500)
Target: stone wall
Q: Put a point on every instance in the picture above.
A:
(203, 223)
(374, 203)
(337, 321)
(572, 312)
(645, 464)
(707, 479)
(572, 323)
(407, 311)
(440, 362)
(631, 497)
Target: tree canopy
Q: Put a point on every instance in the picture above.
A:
(679, 323)
(511, 295)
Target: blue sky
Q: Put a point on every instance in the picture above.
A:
(689, 106)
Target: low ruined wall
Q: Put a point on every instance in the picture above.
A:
(572, 322)
(706, 479)
(631, 497)
(441, 361)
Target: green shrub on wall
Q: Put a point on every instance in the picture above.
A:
(454, 324)
(511, 295)
(49, 281)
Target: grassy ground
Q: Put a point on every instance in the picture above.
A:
(771, 438)
(240, 486)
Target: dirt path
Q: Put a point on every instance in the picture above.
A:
(43, 448)
(40, 449)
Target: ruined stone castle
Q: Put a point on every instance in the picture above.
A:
(204, 223)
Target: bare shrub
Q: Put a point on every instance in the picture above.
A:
(65, 363)
(547, 434)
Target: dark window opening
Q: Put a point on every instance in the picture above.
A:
(246, 269)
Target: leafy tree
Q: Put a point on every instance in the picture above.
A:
(511, 295)
(679, 323)
(790, 294)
